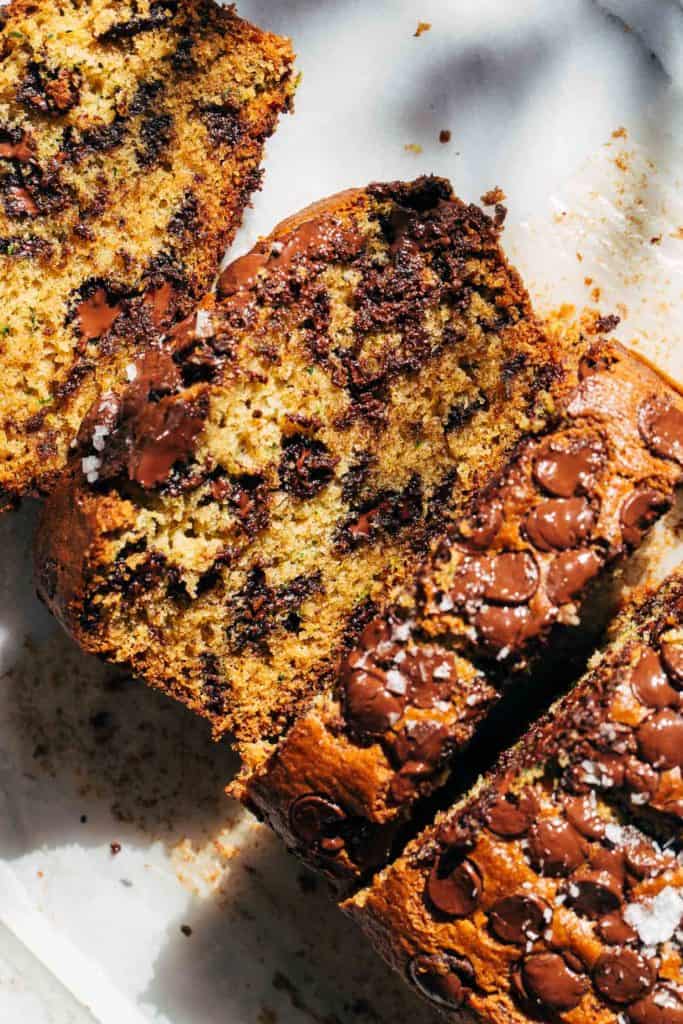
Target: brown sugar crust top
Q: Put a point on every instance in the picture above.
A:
(130, 141)
(539, 896)
(350, 374)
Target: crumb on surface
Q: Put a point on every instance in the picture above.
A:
(422, 27)
(186, 930)
(413, 147)
(493, 197)
(444, 136)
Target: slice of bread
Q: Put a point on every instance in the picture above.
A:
(465, 639)
(131, 133)
(231, 521)
(554, 890)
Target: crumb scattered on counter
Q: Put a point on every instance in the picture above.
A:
(444, 136)
(620, 133)
(115, 849)
(186, 930)
(493, 197)
(422, 27)
(413, 147)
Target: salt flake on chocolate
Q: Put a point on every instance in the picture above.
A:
(658, 919)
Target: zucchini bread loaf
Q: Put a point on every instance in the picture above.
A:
(233, 519)
(467, 631)
(131, 133)
(540, 896)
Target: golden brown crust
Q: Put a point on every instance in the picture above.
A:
(339, 403)
(538, 897)
(407, 703)
(130, 142)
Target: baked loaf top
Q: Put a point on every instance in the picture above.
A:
(131, 133)
(231, 521)
(427, 673)
(539, 897)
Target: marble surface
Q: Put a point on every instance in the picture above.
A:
(202, 918)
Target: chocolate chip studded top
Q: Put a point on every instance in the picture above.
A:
(567, 505)
(542, 887)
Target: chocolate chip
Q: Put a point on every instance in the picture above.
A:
(481, 528)
(581, 812)
(661, 425)
(503, 629)
(315, 821)
(568, 466)
(672, 657)
(167, 432)
(594, 895)
(548, 980)
(650, 683)
(660, 739)
(642, 858)
(639, 511)
(560, 523)
(306, 466)
(369, 707)
(664, 1005)
(512, 578)
(555, 847)
(443, 978)
(615, 931)
(570, 572)
(241, 274)
(511, 817)
(454, 890)
(518, 919)
(95, 315)
(622, 976)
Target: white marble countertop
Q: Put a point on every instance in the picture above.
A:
(202, 918)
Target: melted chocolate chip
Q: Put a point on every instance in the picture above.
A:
(560, 523)
(316, 821)
(622, 976)
(512, 579)
(660, 739)
(166, 434)
(442, 978)
(567, 468)
(518, 919)
(241, 275)
(672, 657)
(510, 817)
(454, 890)
(639, 511)
(650, 683)
(482, 527)
(95, 315)
(15, 145)
(501, 628)
(306, 466)
(555, 847)
(581, 812)
(370, 708)
(551, 983)
(594, 895)
(570, 572)
(661, 425)
(615, 931)
(664, 1005)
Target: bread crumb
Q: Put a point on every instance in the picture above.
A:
(493, 197)
(422, 27)
(620, 133)
(413, 147)
(444, 136)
